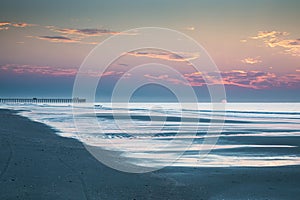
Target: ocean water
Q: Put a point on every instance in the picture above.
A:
(252, 135)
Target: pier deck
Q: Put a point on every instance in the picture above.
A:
(41, 100)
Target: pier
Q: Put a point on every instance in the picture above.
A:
(41, 100)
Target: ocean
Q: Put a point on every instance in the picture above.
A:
(166, 134)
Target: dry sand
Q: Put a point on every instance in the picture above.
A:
(36, 163)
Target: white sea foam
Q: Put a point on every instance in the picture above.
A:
(254, 134)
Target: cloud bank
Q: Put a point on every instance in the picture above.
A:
(240, 78)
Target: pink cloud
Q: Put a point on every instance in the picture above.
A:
(60, 39)
(5, 25)
(279, 39)
(240, 78)
(79, 34)
(181, 57)
(22, 25)
(251, 61)
(86, 31)
(3, 28)
(269, 34)
(35, 69)
(52, 71)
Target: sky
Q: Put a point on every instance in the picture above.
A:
(254, 44)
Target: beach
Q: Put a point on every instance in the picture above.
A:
(36, 163)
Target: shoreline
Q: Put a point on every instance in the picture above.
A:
(36, 163)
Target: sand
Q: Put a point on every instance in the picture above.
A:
(36, 163)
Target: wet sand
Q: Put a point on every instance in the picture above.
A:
(36, 163)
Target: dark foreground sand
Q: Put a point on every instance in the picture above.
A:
(35, 163)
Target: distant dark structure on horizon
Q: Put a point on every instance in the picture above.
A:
(41, 100)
